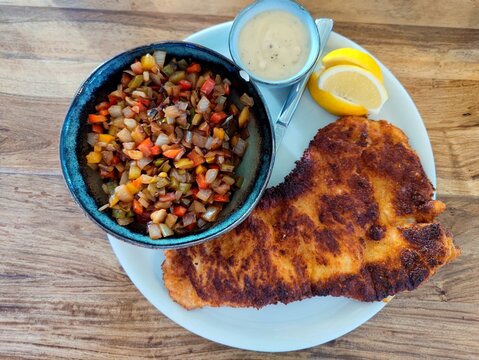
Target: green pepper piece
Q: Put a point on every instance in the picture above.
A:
(182, 64)
(239, 181)
(184, 187)
(174, 183)
(168, 70)
(111, 185)
(118, 214)
(135, 82)
(159, 162)
(177, 76)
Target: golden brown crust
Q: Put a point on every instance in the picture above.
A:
(354, 218)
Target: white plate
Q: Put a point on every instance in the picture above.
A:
(300, 324)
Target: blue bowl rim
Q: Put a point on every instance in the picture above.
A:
(171, 242)
(278, 83)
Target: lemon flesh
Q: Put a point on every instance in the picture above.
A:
(354, 84)
(331, 103)
(349, 56)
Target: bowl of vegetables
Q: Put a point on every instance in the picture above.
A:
(167, 145)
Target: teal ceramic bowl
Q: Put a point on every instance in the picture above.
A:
(85, 184)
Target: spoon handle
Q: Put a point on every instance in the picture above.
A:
(286, 114)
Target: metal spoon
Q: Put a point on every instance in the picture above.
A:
(286, 114)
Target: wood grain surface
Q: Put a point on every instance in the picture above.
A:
(63, 294)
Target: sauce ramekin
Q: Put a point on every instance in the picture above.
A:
(270, 5)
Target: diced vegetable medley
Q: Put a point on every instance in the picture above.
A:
(167, 143)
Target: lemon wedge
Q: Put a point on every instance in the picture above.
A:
(331, 103)
(349, 56)
(354, 84)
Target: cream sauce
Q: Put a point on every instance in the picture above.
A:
(274, 45)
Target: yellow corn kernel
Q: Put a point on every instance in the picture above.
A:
(97, 148)
(106, 138)
(147, 62)
(163, 174)
(219, 133)
(200, 169)
(134, 172)
(93, 157)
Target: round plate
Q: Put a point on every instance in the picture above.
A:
(301, 324)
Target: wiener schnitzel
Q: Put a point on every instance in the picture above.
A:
(355, 218)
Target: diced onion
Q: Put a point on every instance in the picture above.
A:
(204, 194)
(154, 231)
(209, 142)
(125, 221)
(211, 213)
(123, 194)
(246, 100)
(143, 162)
(130, 123)
(115, 111)
(188, 137)
(197, 207)
(198, 140)
(182, 105)
(203, 104)
(129, 145)
(211, 175)
(189, 219)
(172, 111)
(165, 230)
(160, 57)
(162, 139)
(201, 223)
(92, 138)
(158, 216)
(128, 113)
(240, 147)
(124, 136)
(170, 220)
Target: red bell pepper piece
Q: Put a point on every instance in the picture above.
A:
(102, 106)
(193, 68)
(179, 210)
(145, 147)
(172, 153)
(93, 118)
(201, 180)
(218, 117)
(191, 227)
(226, 87)
(97, 128)
(221, 198)
(167, 197)
(185, 85)
(112, 99)
(208, 86)
(155, 150)
(137, 207)
(196, 158)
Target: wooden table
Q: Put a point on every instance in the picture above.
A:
(62, 291)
